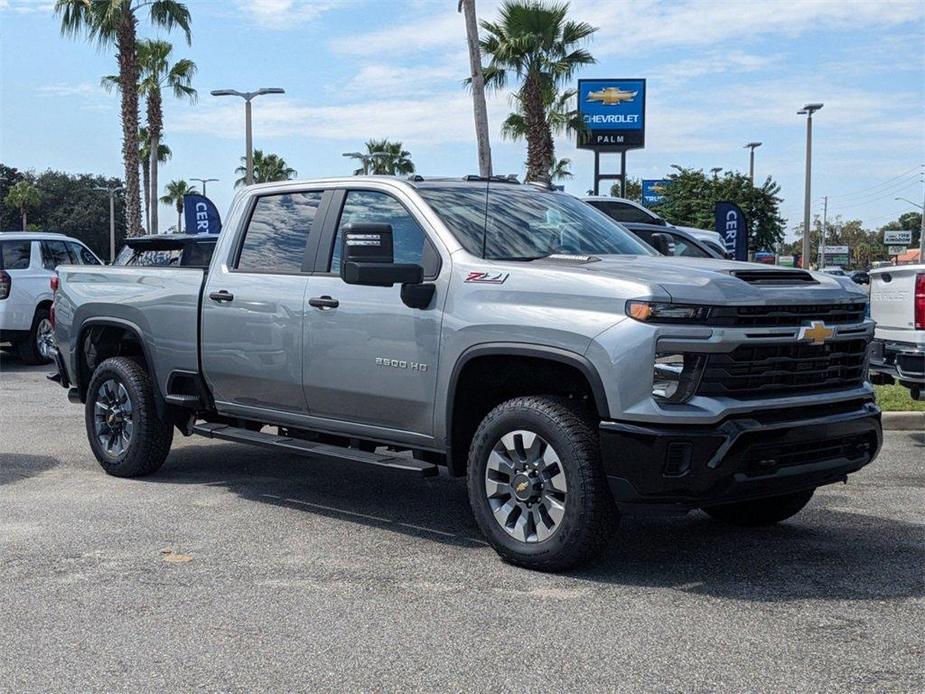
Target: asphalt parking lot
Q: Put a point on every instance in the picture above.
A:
(233, 569)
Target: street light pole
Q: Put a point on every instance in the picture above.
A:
(112, 218)
(825, 214)
(203, 181)
(808, 111)
(751, 159)
(248, 134)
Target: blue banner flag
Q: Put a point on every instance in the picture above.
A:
(200, 215)
(732, 226)
(652, 190)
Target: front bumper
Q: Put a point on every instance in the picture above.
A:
(765, 454)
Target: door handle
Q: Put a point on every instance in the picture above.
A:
(323, 302)
(221, 296)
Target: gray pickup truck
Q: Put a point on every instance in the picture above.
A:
(513, 334)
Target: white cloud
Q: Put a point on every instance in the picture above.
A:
(285, 14)
(27, 6)
(403, 37)
(80, 89)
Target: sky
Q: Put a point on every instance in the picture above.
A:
(719, 74)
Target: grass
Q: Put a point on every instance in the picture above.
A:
(896, 398)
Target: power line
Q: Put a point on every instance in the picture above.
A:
(877, 185)
(881, 197)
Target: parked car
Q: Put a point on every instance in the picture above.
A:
(897, 304)
(630, 212)
(860, 277)
(27, 262)
(508, 332)
(669, 240)
(185, 250)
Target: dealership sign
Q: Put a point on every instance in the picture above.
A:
(652, 191)
(614, 114)
(897, 250)
(895, 237)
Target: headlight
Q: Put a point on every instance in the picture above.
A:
(659, 312)
(676, 375)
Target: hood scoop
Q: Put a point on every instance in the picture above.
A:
(775, 278)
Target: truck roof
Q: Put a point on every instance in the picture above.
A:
(35, 236)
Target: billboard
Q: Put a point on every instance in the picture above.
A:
(896, 237)
(897, 250)
(652, 190)
(614, 114)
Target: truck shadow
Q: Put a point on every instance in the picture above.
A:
(17, 467)
(823, 554)
(10, 363)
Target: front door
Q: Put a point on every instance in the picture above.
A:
(252, 309)
(371, 359)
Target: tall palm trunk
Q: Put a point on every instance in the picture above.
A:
(146, 193)
(23, 212)
(155, 126)
(128, 84)
(180, 216)
(480, 111)
(539, 139)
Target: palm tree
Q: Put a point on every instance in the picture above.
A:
(21, 196)
(267, 168)
(383, 157)
(156, 73)
(144, 155)
(533, 40)
(561, 170)
(560, 117)
(115, 22)
(173, 195)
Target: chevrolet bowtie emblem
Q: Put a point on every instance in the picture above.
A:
(521, 487)
(611, 96)
(816, 332)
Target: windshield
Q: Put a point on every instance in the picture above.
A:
(504, 221)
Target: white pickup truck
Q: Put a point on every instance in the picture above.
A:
(897, 304)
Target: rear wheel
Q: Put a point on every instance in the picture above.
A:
(125, 433)
(536, 486)
(761, 511)
(39, 346)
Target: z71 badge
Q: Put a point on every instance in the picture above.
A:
(488, 277)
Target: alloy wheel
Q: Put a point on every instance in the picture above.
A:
(45, 339)
(526, 487)
(113, 413)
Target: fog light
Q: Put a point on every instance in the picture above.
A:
(676, 375)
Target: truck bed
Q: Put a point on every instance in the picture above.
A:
(160, 304)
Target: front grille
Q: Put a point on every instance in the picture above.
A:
(755, 371)
(767, 457)
(785, 316)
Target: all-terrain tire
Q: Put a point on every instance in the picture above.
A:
(760, 512)
(590, 515)
(148, 444)
(29, 348)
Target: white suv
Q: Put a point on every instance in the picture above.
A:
(27, 263)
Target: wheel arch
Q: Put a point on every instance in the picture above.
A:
(579, 364)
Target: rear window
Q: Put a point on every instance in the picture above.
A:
(14, 255)
(278, 232)
(622, 212)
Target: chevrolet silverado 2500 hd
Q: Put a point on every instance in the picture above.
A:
(510, 333)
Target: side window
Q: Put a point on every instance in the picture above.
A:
(685, 248)
(54, 253)
(278, 231)
(15, 255)
(362, 206)
(622, 212)
(82, 255)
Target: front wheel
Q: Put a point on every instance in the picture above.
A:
(760, 512)
(125, 433)
(38, 347)
(536, 486)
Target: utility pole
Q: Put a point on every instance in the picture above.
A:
(112, 218)
(825, 212)
(479, 109)
(808, 111)
(203, 181)
(248, 133)
(751, 159)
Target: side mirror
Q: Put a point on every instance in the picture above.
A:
(662, 243)
(368, 258)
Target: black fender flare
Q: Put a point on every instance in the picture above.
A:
(519, 349)
(131, 327)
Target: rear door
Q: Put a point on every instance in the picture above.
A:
(252, 307)
(372, 360)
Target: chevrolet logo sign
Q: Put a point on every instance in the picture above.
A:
(816, 332)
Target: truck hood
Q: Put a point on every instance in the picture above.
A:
(709, 281)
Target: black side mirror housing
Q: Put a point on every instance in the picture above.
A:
(662, 243)
(368, 258)
(381, 274)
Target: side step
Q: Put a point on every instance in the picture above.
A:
(313, 449)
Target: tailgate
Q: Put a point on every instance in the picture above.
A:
(892, 302)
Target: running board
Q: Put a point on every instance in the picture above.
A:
(313, 449)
